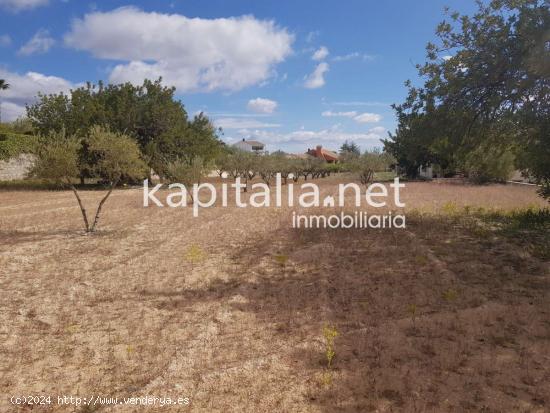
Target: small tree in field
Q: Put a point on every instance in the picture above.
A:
(297, 168)
(186, 172)
(117, 157)
(267, 169)
(369, 163)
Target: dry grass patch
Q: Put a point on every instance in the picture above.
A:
(230, 308)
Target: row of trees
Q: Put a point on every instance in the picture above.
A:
(484, 106)
(120, 133)
(247, 166)
(112, 157)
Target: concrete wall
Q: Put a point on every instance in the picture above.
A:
(16, 168)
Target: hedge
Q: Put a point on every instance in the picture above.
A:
(14, 144)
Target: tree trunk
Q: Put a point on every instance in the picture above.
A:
(96, 219)
(82, 209)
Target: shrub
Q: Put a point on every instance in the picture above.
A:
(485, 164)
(329, 333)
(13, 144)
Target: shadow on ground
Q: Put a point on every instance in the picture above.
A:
(438, 317)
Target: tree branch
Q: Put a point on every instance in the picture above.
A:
(82, 209)
(96, 218)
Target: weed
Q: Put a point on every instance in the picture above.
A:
(281, 259)
(72, 329)
(450, 295)
(480, 231)
(326, 378)
(330, 334)
(449, 208)
(412, 309)
(195, 254)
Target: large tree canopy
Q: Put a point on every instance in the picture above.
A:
(149, 113)
(487, 85)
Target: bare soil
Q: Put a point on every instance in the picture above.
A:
(228, 309)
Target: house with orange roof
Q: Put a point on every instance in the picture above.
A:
(325, 154)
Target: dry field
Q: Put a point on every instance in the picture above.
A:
(228, 309)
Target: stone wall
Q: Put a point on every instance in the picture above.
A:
(16, 168)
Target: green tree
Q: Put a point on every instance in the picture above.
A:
(197, 138)
(143, 112)
(227, 161)
(350, 147)
(486, 163)
(117, 156)
(148, 113)
(487, 83)
(369, 163)
(188, 173)
(349, 151)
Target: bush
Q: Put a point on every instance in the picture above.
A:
(13, 144)
(486, 164)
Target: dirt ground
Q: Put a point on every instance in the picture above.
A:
(228, 309)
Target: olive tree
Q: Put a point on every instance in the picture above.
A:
(369, 163)
(117, 157)
(188, 173)
(267, 169)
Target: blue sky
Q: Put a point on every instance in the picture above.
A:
(292, 74)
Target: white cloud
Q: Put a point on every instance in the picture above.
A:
(24, 89)
(358, 117)
(317, 78)
(361, 103)
(320, 54)
(261, 105)
(332, 137)
(41, 42)
(11, 111)
(368, 118)
(243, 123)
(5, 40)
(378, 130)
(18, 5)
(331, 114)
(354, 55)
(311, 36)
(192, 54)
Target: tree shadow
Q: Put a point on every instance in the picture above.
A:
(364, 284)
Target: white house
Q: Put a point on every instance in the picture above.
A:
(426, 172)
(250, 146)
